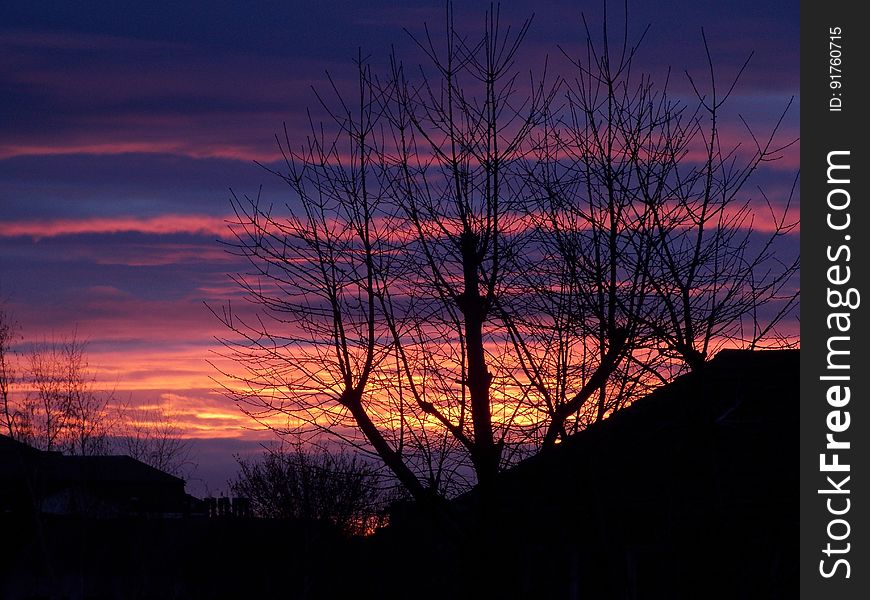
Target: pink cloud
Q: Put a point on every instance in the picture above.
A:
(158, 225)
(168, 146)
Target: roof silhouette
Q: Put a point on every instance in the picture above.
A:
(106, 469)
(106, 486)
(690, 492)
(742, 390)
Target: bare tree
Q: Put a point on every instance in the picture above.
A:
(472, 267)
(8, 335)
(56, 405)
(574, 326)
(334, 487)
(64, 410)
(59, 406)
(383, 277)
(154, 436)
(717, 275)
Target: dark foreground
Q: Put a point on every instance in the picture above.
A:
(690, 493)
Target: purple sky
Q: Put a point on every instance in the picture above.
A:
(125, 124)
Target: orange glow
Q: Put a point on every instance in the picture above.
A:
(179, 384)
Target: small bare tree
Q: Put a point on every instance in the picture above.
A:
(8, 335)
(154, 436)
(59, 407)
(64, 410)
(318, 485)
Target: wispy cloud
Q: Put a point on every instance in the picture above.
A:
(157, 225)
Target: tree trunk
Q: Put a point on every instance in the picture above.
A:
(485, 454)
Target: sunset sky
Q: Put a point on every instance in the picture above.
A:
(124, 125)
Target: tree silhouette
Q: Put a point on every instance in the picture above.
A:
(62, 410)
(8, 374)
(471, 267)
(154, 436)
(59, 406)
(318, 485)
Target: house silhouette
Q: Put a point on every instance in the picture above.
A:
(79, 527)
(86, 486)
